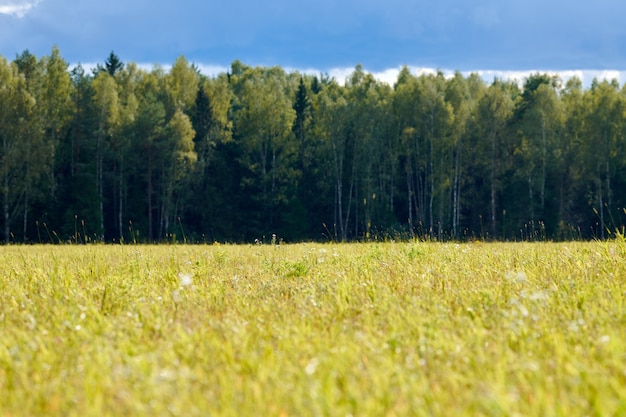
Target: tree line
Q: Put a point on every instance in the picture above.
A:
(125, 154)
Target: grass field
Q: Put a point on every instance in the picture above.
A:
(380, 329)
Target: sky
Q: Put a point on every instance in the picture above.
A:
(492, 37)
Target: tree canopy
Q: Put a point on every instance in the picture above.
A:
(128, 154)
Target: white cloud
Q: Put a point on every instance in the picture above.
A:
(390, 75)
(16, 8)
(211, 70)
(586, 76)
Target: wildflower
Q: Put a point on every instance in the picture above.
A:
(311, 366)
(185, 279)
(538, 296)
(517, 277)
(576, 325)
(523, 311)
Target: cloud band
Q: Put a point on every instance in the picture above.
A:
(17, 9)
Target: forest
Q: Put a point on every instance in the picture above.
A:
(124, 154)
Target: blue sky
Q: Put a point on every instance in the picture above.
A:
(328, 35)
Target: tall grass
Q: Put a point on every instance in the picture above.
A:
(305, 330)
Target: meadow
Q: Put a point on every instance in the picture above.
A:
(370, 329)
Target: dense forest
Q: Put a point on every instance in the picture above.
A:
(125, 154)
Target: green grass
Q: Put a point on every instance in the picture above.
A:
(494, 329)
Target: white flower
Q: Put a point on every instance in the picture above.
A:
(576, 325)
(311, 366)
(185, 279)
(523, 311)
(517, 277)
(538, 296)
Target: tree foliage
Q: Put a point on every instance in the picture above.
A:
(126, 153)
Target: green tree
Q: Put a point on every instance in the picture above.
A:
(434, 125)
(302, 109)
(17, 106)
(210, 191)
(76, 199)
(181, 84)
(56, 100)
(178, 157)
(107, 105)
(463, 94)
(540, 125)
(127, 80)
(331, 109)
(403, 108)
(263, 127)
(495, 108)
(48, 82)
(367, 153)
(34, 154)
(113, 64)
(605, 126)
(568, 157)
(149, 127)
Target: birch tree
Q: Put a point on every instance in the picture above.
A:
(17, 106)
(495, 109)
(107, 105)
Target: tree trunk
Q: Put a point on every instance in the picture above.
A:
(121, 198)
(338, 162)
(600, 203)
(5, 207)
(150, 219)
(608, 187)
(544, 153)
(431, 180)
(493, 186)
(530, 198)
(26, 195)
(456, 193)
(100, 186)
(409, 186)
